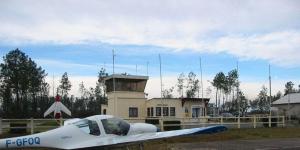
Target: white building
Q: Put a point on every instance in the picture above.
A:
(288, 105)
(126, 99)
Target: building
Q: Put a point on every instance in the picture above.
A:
(288, 105)
(127, 99)
(176, 107)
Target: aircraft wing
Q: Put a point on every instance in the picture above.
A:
(64, 109)
(121, 140)
(50, 109)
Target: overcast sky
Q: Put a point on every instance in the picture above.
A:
(77, 37)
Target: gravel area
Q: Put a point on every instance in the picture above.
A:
(262, 144)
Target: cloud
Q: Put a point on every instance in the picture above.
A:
(279, 48)
(267, 30)
(88, 81)
(60, 66)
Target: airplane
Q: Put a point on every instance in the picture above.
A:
(99, 131)
(57, 107)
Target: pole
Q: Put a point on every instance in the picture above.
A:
(160, 85)
(114, 87)
(0, 125)
(270, 86)
(147, 68)
(202, 86)
(53, 85)
(136, 69)
(289, 99)
(237, 90)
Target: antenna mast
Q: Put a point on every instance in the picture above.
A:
(136, 69)
(114, 87)
(270, 89)
(147, 68)
(237, 89)
(53, 86)
(202, 85)
(160, 78)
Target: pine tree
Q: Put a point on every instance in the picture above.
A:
(21, 82)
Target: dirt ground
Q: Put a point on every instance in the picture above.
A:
(262, 144)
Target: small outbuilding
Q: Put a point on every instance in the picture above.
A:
(288, 105)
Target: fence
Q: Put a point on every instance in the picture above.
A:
(40, 125)
(230, 122)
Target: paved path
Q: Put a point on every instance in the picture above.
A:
(264, 144)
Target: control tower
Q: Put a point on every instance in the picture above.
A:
(126, 95)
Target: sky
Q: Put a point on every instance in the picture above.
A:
(78, 37)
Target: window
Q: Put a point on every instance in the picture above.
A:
(115, 126)
(148, 112)
(197, 111)
(133, 112)
(158, 111)
(166, 111)
(88, 126)
(172, 111)
(104, 111)
(151, 110)
(186, 110)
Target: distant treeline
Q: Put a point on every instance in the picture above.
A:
(24, 92)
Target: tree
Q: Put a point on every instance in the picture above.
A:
(180, 84)
(101, 82)
(277, 96)
(63, 90)
(192, 85)
(234, 107)
(244, 103)
(219, 83)
(289, 88)
(21, 82)
(100, 90)
(232, 83)
(261, 104)
(65, 85)
(167, 93)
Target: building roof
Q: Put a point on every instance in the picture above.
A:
(126, 76)
(183, 99)
(291, 98)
